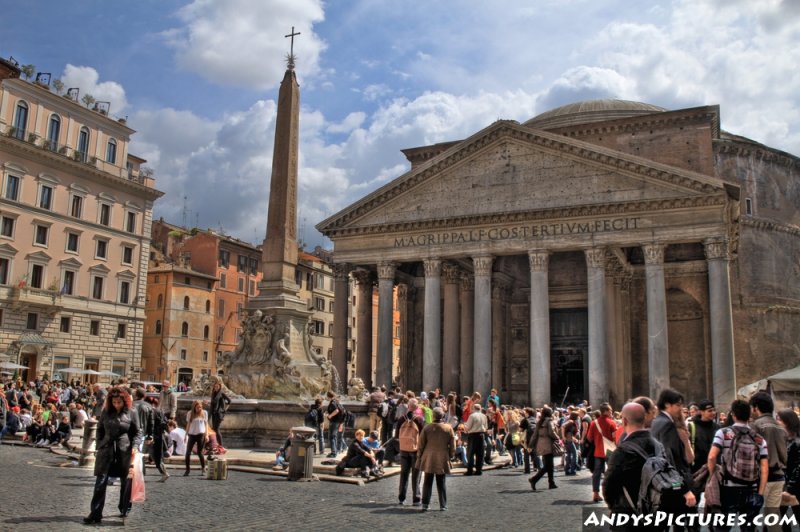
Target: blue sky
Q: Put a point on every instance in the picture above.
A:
(198, 80)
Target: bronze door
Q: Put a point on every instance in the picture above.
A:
(569, 346)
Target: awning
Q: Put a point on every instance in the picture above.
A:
(33, 338)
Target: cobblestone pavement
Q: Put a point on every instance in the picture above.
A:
(41, 493)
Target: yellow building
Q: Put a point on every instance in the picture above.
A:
(75, 214)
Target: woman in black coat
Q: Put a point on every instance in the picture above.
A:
(219, 405)
(118, 438)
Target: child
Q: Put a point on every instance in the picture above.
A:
(62, 433)
(513, 441)
(282, 456)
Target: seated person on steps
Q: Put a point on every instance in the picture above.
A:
(359, 456)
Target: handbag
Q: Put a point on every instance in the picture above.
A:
(558, 448)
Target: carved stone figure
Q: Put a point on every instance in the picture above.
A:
(203, 384)
(264, 367)
(356, 389)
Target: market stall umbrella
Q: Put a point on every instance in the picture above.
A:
(77, 371)
(5, 373)
(11, 365)
(107, 373)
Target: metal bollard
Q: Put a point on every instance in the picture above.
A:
(88, 447)
(301, 463)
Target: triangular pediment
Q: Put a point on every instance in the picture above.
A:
(38, 256)
(101, 269)
(71, 262)
(509, 169)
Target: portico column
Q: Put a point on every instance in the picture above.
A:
(364, 282)
(383, 374)
(723, 359)
(467, 333)
(404, 354)
(432, 337)
(657, 346)
(539, 354)
(482, 345)
(451, 336)
(598, 357)
(341, 297)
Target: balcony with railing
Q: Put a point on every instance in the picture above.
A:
(143, 176)
(25, 298)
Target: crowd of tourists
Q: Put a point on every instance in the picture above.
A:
(652, 455)
(130, 419)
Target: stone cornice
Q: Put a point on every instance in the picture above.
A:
(765, 224)
(577, 211)
(688, 181)
(741, 148)
(648, 121)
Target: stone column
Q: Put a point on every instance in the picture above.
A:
(499, 321)
(341, 305)
(405, 339)
(432, 335)
(383, 374)
(657, 345)
(364, 282)
(539, 350)
(611, 338)
(451, 367)
(723, 359)
(467, 333)
(598, 357)
(482, 365)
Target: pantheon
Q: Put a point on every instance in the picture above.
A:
(600, 250)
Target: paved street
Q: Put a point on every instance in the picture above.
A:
(41, 494)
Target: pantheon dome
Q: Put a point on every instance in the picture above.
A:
(591, 111)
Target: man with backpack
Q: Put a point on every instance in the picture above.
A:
(765, 425)
(664, 430)
(744, 459)
(409, 430)
(639, 476)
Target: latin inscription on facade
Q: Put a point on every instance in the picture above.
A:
(519, 232)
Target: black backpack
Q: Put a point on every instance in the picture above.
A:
(312, 417)
(659, 478)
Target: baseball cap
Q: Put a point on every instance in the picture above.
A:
(705, 404)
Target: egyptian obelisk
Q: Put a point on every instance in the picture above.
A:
(278, 291)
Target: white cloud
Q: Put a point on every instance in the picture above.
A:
(350, 122)
(88, 81)
(227, 41)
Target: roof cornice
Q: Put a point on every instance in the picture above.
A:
(578, 211)
(730, 146)
(511, 130)
(646, 121)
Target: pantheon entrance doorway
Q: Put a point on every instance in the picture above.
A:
(569, 347)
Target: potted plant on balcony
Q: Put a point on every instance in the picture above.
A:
(32, 138)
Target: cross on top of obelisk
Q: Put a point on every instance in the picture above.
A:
(290, 58)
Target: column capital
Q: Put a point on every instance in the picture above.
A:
(539, 260)
(467, 282)
(341, 271)
(653, 253)
(402, 292)
(452, 273)
(386, 270)
(433, 267)
(362, 276)
(595, 257)
(483, 264)
(716, 248)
